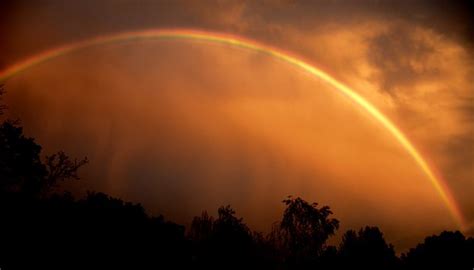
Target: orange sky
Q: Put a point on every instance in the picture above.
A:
(186, 126)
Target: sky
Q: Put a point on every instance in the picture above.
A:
(183, 126)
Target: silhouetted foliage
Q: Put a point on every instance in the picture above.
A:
(449, 250)
(303, 230)
(366, 249)
(40, 229)
(202, 227)
(97, 231)
(60, 167)
(21, 169)
(222, 240)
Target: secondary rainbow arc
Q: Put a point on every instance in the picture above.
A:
(190, 34)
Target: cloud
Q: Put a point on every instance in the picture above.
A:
(400, 56)
(37, 26)
(426, 75)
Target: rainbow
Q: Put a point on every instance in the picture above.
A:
(240, 42)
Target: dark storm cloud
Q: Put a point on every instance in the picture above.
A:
(461, 148)
(38, 25)
(399, 58)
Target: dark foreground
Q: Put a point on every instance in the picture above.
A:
(41, 228)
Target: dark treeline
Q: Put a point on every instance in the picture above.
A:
(42, 228)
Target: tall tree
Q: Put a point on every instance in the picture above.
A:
(21, 167)
(304, 230)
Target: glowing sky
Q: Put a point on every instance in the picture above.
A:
(185, 126)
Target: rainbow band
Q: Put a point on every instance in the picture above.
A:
(439, 186)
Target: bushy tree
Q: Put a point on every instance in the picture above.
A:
(304, 230)
(448, 250)
(367, 249)
(21, 168)
(223, 240)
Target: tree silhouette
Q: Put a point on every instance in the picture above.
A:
(366, 249)
(222, 240)
(201, 227)
(60, 167)
(45, 230)
(449, 250)
(228, 228)
(303, 230)
(21, 167)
